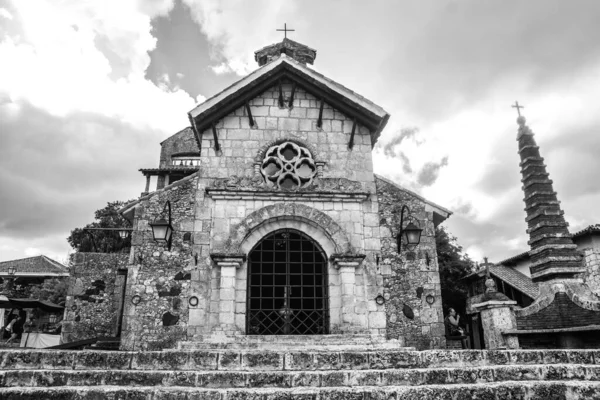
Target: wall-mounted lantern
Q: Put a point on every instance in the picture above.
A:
(162, 230)
(411, 233)
(12, 270)
(124, 233)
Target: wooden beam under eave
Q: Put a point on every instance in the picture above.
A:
(291, 103)
(351, 142)
(195, 130)
(250, 119)
(216, 138)
(320, 120)
(280, 95)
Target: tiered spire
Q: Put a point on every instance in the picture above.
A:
(553, 254)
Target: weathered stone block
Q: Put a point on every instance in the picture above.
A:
(263, 361)
(223, 379)
(229, 360)
(202, 360)
(269, 379)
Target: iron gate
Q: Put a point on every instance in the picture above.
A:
(287, 286)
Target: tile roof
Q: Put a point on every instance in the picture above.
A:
(516, 279)
(590, 229)
(514, 259)
(34, 266)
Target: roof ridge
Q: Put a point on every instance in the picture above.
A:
(431, 203)
(22, 259)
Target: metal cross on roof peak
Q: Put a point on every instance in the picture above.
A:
(285, 30)
(518, 107)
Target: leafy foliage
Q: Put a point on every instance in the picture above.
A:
(454, 265)
(102, 241)
(53, 290)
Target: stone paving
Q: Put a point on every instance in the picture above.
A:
(300, 374)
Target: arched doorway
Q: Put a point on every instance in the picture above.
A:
(287, 286)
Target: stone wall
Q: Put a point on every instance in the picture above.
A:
(219, 216)
(94, 296)
(560, 313)
(591, 261)
(181, 142)
(227, 209)
(404, 273)
(241, 143)
(161, 278)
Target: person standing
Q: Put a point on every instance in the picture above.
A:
(452, 321)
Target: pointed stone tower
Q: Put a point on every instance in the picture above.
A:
(566, 311)
(553, 253)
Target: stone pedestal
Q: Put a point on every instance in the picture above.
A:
(347, 265)
(497, 316)
(228, 265)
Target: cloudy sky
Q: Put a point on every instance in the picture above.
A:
(88, 89)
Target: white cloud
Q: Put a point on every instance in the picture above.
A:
(4, 13)
(32, 251)
(238, 28)
(64, 60)
(80, 67)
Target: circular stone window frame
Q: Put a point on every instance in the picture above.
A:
(288, 168)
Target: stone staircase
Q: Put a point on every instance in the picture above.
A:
(259, 374)
(289, 342)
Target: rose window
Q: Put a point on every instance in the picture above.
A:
(288, 166)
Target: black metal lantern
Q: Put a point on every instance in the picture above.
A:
(11, 270)
(411, 234)
(162, 230)
(123, 233)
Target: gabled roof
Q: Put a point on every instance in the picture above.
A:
(515, 259)
(440, 214)
(592, 229)
(34, 266)
(345, 100)
(516, 279)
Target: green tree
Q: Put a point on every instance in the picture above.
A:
(102, 241)
(453, 265)
(53, 290)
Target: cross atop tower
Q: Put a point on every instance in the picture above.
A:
(518, 107)
(285, 30)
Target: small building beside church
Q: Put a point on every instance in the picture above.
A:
(279, 225)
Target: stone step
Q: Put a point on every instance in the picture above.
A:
(524, 390)
(291, 346)
(227, 360)
(273, 342)
(290, 379)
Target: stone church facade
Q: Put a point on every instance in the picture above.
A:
(280, 226)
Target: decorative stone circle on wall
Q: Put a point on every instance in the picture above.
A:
(288, 166)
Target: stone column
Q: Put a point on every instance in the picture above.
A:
(498, 321)
(347, 265)
(147, 184)
(228, 265)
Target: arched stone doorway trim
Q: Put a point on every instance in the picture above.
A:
(313, 222)
(330, 236)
